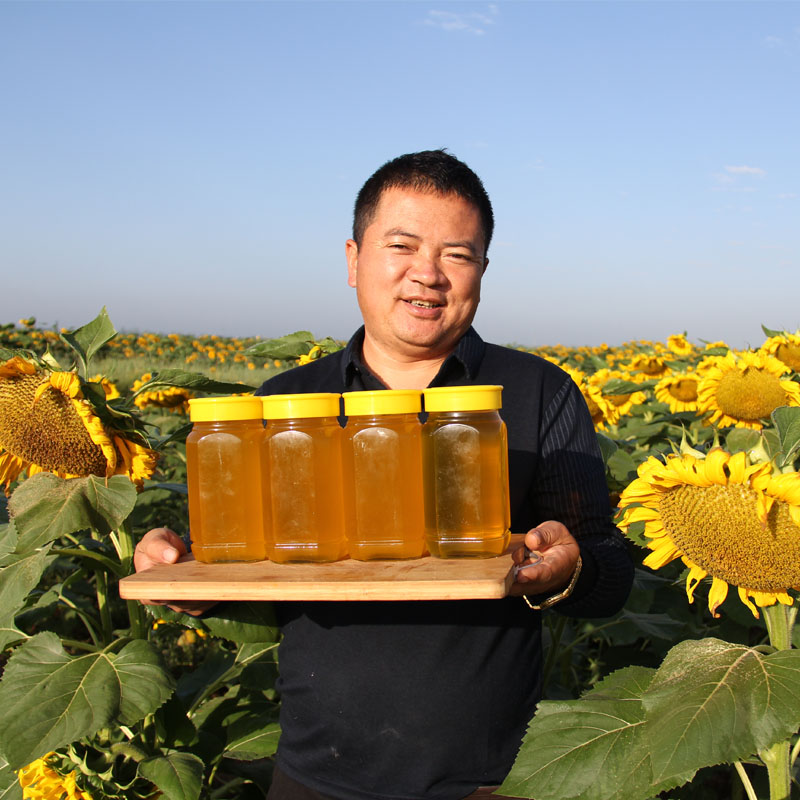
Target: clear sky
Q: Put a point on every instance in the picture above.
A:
(192, 165)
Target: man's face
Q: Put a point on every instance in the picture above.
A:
(417, 273)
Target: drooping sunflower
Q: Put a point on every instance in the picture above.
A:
(47, 425)
(724, 518)
(786, 348)
(743, 389)
(678, 391)
(173, 398)
(39, 781)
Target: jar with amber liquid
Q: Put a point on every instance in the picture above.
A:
(465, 472)
(223, 473)
(301, 459)
(382, 465)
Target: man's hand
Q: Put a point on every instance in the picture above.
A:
(163, 546)
(555, 555)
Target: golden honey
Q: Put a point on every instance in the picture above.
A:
(382, 470)
(223, 472)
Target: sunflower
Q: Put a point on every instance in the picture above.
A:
(786, 348)
(650, 365)
(173, 398)
(742, 389)
(110, 389)
(39, 781)
(724, 518)
(622, 403)
(678, 391)
(679, 344)
(602, 410)
(47, 425)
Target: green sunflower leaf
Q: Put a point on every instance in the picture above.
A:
(50, 699)
(292, 345)
(243, 622)
(144, 684)
(786, 420)
(8, 540)
(769, 332)
(607, 446)
(17, 580)
(89, 338)
(9, 785)
(45, 507)
(255, 733)
(741, 439)
(618, 386)
(595, 748)
(179, 776)
(191, 380)
(714, 702)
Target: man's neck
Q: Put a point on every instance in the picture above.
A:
(397, 372)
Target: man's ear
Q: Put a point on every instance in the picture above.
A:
(485, 264)
(351, 252)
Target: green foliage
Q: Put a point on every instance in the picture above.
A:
(191, 380)
(642, 731)
(51, 698)
(89, 339)
(46, 507)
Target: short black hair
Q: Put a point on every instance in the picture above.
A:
(428, 170)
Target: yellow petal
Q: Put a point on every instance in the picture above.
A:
(696, 574)
(664, 551)
(713, 466)
(717, 595)
(743, 597)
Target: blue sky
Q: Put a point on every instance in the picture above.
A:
(192, 165)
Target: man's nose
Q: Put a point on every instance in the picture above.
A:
(426, 269)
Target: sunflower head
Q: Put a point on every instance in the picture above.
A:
(678, 391)
(652, 366)
(47, 424)
(679, 344)
(742, 389)
(786, 348)
(172, 398)
(724, 518)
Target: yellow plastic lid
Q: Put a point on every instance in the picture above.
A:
(300, 406)
(463, 398)
(221, 409)
(385, 401)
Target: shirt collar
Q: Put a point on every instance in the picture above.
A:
(461, 364)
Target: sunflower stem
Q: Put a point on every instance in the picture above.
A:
(101, 590)
(123, 541)
(795, 752)
(556, 631)
(776, 760)
(780, 622)
(748, 787)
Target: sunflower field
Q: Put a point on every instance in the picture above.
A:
(691, 691)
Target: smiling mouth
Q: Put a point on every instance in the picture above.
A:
(424, 303)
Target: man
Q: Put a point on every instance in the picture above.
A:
(430, 700)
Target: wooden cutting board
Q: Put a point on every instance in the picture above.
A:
(425, 578)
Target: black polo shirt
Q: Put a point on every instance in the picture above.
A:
(427, 700)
